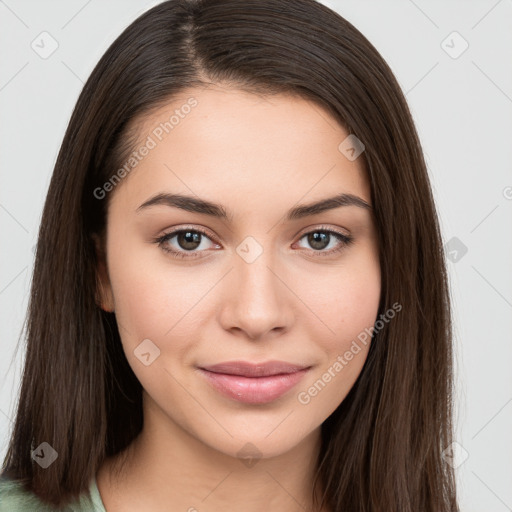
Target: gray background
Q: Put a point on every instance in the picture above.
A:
(462, 105)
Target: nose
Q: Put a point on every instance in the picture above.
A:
(257, 302)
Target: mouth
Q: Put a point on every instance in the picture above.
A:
(254, 383)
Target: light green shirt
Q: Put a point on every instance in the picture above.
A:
(14, 498)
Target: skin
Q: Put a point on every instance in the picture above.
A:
(258, 157)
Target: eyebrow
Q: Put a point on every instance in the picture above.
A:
(196, 205)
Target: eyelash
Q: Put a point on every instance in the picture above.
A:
(345, 241)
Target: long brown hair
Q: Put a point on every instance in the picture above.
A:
(382, 447)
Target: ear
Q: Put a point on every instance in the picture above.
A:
(104, 295)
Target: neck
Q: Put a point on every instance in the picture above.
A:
(166, 464)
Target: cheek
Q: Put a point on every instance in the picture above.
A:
(347, 303)
(151, 295)
(358, 303)
(152, 303)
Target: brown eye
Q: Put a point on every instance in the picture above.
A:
(321, 239)
(185, 243)
(189, 240)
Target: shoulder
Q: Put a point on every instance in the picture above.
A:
(14, 497)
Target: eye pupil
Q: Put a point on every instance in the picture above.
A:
(189, 240)
(318, 239)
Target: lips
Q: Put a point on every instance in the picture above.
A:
(246, 369)
(254, 383)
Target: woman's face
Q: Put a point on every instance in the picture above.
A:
(258, 278)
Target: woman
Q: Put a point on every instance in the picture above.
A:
(239, 295)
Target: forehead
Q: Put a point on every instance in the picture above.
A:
(225, 143)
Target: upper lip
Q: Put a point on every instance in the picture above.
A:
(248, 369)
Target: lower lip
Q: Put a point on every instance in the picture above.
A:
(254, 390)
